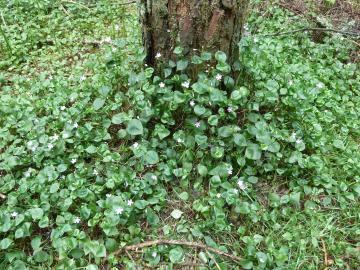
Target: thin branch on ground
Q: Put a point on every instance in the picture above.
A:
(310, 29)
(128, 3)
(176, 242)
(326, 262)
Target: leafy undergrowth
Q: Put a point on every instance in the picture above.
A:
(97, 152)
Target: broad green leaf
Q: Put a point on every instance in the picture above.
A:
(98, 103)
(176, 213)
(54, 187)
(135, 127)
(176, 255)
(151, 157)
(253, 151)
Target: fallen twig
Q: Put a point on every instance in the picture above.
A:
(176, 242)
(310, 29)
(326, 262)
(128, 3)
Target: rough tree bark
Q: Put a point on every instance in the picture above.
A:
(208, 25)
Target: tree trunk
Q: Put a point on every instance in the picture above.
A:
(205, 25)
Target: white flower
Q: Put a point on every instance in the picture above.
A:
(236, 191)
(135, 145)
(77, 220)
(82, 78)
(113, 49)
(153, 177)
(320, 85)
(76, 125)
(119, 210)
(117, 27)
(28, 173)
(158, 55)
(179, 140)
(192, 103)
(107, 39)
(241, 184)
(186, 84)
(14, 214)
(50, 77)
(108, 195)
(154, 254)
(162, 85)
(298, 141)
(55, 137)
(290, 82)
(62, 108)
(218, 77)
(229, 171)
(73, 161)
(168, 31)
(197, 124)
(95, 172)
(218, 195)
(229, 109)
(130, 202)
(50, 146)
(293, 136)
(30, 143)
(33, 148)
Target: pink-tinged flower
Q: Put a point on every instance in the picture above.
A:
(229, 109)
(119, 210)
(154, 254)
(197, 124)
(218, 77)
(77, 220)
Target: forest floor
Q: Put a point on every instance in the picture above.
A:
(97, 156)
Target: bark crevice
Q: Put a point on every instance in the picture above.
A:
(192, 24)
